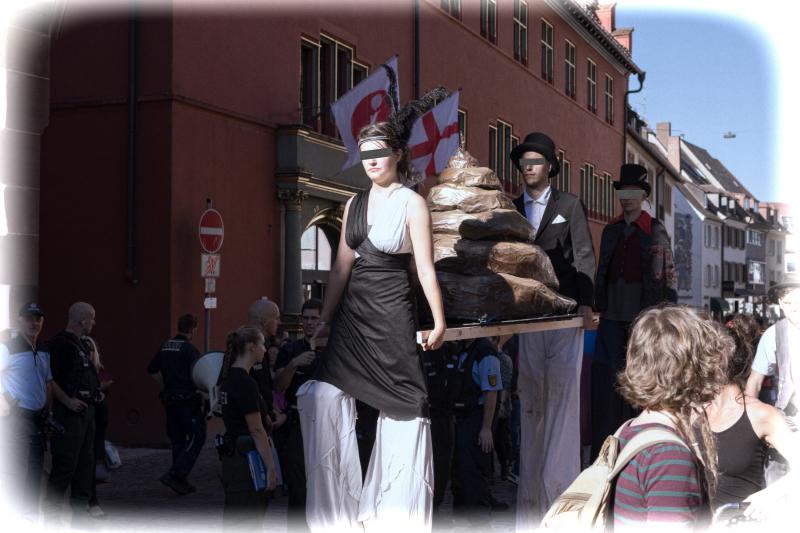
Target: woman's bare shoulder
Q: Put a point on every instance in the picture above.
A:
(763, 416)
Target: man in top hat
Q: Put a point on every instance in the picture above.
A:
(24, 378)
(635, 271)
(550, 361)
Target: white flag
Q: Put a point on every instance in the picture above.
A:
(366, 103)
(435, 137)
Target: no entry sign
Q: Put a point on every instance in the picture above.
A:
(212, 231)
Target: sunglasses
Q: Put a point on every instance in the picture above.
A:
(532, 162)
(376, 154)
(630, 194)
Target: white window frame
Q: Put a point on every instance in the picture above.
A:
(609, 93)
(521, 32)
(591, 85)
(547, 55)
(570, 69)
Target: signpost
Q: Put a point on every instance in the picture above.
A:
(212, 233)
(212, 230)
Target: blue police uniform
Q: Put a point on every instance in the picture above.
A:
(473, 463)
(24, 374)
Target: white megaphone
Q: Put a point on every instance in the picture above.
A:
(205, 375)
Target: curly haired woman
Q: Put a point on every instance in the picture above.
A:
(675, 366)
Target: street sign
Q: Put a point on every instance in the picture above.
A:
(212, 231)
(210, 303)
(211, 285)
(209, 265)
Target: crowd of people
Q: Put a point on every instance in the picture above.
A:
(364, 428)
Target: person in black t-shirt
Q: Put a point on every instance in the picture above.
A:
(186, 424)
(265, 315)
(243, 412)
(76, 389)
(296, 363)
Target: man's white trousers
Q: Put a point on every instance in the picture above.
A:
(549, 393)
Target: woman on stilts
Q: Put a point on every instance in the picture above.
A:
(371, 354)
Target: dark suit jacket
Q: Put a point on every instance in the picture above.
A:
(568, 244)
(659, 281)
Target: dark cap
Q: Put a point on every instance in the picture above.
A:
(633, 175)
(541, 144)
(31, 308)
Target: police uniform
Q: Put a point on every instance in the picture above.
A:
(244, 507)
(437, 365)
(292, 462)
(72, 451)
(186, 424)
(263, 376)
(483, 368)
(24, 374)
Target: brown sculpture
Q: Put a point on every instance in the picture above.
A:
(485, 259)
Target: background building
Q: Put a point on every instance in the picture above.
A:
(153, 113)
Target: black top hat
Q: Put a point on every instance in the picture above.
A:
(635, 175)
(31, 309)
(790, 280)
(540, 143)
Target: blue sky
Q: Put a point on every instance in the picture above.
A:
(710, 72)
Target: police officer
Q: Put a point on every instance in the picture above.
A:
(244, 414)
(186, 425)
(265, 315)
(296, 364)
(24, 378)
(437, 365)
(474, 391)
(76, 389)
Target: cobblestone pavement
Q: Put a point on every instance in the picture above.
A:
(134, 499)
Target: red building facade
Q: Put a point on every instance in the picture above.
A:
(154, 113)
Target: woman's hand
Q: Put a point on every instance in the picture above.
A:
(763, 504)
(435, 339)
(321, 334)
(272, 477)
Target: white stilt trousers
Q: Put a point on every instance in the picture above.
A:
(397, 494)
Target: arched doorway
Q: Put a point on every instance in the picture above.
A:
(318, 246)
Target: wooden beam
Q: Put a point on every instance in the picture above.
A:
(474, 331)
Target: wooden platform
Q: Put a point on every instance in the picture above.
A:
(505, 327)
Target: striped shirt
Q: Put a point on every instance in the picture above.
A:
(662, 484)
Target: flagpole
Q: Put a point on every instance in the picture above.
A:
(416, 50)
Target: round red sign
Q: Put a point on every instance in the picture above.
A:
(212, 231)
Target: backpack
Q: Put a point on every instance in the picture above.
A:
(585, 503)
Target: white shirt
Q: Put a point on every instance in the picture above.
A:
(765, 360)
(24, 373)
(534, 209)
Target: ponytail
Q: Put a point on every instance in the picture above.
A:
(235, 345)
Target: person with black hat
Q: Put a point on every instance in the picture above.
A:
(24, 378)
(636, 270)
(550, 361)
(172, 367)
(76, 387)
